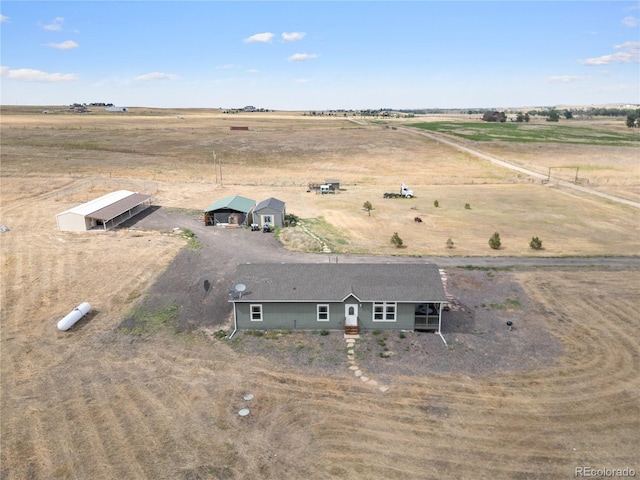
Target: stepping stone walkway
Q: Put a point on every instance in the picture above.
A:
(323, 245)
(351, 345)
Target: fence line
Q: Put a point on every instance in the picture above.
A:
(141, 186)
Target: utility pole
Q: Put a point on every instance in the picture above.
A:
(214, 165)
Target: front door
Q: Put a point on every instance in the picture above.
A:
(351, 314)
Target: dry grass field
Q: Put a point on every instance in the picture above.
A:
(97, 402)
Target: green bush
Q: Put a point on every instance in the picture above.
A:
(220, 334)
(396, 240)
(291, 220)
(535, 243)
(494, 241)
(436, 204)
(467, 206)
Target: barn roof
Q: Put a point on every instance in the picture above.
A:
(103, 207)
(237, 203)
(271, 203)
(119, 207)
(330, 282)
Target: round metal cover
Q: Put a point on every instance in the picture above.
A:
(244, 412)
(248, 396)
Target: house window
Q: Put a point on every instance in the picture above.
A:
(266, 218)
(256, 313)
(384, 312)
(323, 313)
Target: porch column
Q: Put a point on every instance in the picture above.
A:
(440, 322)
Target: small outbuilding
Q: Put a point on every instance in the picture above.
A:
(229, 211)
(103, 213)
(334, 185)
(270, 212)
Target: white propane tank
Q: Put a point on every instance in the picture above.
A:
(73, 316)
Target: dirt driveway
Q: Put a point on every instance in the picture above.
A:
(198, 280)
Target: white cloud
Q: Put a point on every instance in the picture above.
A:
(293, 36)
(4, 19)
(228, 66)
(630, 22)
(628, 52)
(150, 77)
(301, 57)
(252, 70)
(259, 38)
(67, 45)
(55, 25)
(562, 79)
(31, 75)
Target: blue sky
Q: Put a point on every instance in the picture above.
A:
(320, 55)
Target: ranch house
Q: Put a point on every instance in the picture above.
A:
(349, 297)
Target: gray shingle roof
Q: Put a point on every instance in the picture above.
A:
(330, 282)
(271, 203)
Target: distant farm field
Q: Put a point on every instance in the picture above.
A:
(194, 158)
(103, 401)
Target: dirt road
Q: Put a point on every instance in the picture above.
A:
(563, 183)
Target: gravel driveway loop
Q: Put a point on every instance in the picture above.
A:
(478, 339)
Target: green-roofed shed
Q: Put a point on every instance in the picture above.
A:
(235, 210)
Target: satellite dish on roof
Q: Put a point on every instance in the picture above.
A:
(240, 288)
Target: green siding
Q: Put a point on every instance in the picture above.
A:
(303, 316)
(290, 316)
(405, 313)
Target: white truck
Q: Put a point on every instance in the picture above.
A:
(405, 192)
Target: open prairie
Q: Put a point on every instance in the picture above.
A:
(102, 402)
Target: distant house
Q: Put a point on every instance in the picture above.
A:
(230, 211)
(353, 297)
(104, 212)
(269, 212)
(494, 116)
(249, 108)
